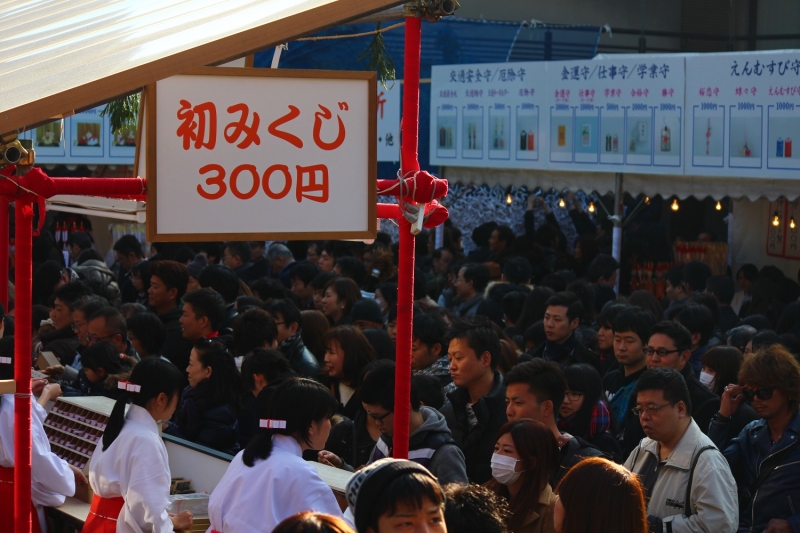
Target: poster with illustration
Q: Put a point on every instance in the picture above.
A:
(87, 135)
(527, 116)
(48, 139)
(446, 131)
(472, 132)
(499, 125)
(744, 147)
(123, 142)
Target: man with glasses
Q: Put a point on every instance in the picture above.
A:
(687, 481)
(430, 442)
(765, 456)
(670, 346)
(63, 342)
(108, 325)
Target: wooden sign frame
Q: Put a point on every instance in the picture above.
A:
(149, 114)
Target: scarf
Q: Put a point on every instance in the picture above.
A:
(559, 352)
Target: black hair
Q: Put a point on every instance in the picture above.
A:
(212, 249)
(149, 330)
(757, 321)
(184, 255)
(554, 282)
(636, 320)
(697, 319)
(71, 292)
(352, 267)
(240, 249)
(409, 490)
(512, 303)
(707, 300)
(7, 350)
(89, 305)
(517, 270)
(154, 376)
(322, 279)
(505, 234)
(244, 302)
(534, 308)
(222, 279)
(602, 266)
(669, 381)
(570, 301)
(479, 335)
(335, 249)
(252, 329)
(430, 329)
(584, 378)
(225, 386)
(429, 391)
(674, 276)
(605, 318)
(298, 402)
(305, 271)
(535, 334)
(378, 388)
(142, 271)
(764, 339)
(482, 233)
(286, 309)
(695, 274)
(681, 337)
(128, 244)
(87, 255)
(102, 355)
(475, 509)
(381, 343)
(268, 363)
(174, 275)
(722, 288)
(478, 274)
(584, 291)
(739, 336)
(603, 294)
(112, 320)
(81, 239)
(269, 289)
(544, 379)
(207, 303)
(749, 271)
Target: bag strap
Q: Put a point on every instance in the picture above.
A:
(775, 461)
(687, 507)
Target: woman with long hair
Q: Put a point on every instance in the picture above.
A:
(338, 298)
(347, 352)
(584, 412)
(525, 456)
(129, 472)
(269, 481)
(209, 409)
(599, 496)
(721, 365)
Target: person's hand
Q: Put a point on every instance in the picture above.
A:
(54, 371)
(778, 526)
(80, 479)
(731, 399)
(182, 520)
(51, 391)
(331, 459)
(38, 385)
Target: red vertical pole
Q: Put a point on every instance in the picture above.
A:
(405, 275)
(22, 367)
(4, 203)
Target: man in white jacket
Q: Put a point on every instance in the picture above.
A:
(687, 480)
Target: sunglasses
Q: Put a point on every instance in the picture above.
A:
(762, 393)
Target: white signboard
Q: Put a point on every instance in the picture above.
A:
(488, 115)
(388, 111)
(743, 114)
(616, 115)
(246, 154)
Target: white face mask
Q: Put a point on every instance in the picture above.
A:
(706, 379)
(503, 469)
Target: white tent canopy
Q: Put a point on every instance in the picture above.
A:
(634, 184)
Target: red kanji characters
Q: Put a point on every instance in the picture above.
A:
(315, 191)
(202, 131)
(326, 114)
(292, 139)
(234, 130)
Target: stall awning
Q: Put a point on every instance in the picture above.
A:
(57, 56)
(634, 184)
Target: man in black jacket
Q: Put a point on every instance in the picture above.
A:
(670, 347)
(63, 342)
(476, 411)
(561, 319)
(290, 342)
(536, 390)
(168, 281)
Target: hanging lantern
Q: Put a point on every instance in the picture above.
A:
(776, 220)
(591, 208)
(792, 225)
(509, 199)
(561, 203)
(647, 200)
(675, 205)
(718, 206)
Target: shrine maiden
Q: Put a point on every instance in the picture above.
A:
(52, 478)
(269, 481)
(129, 472)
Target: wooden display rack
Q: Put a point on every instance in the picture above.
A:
(74, 428)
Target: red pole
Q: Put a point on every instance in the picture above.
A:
(405, 276)
(4, 203)
(22, 367)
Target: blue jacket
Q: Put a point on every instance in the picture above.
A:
(779, 494)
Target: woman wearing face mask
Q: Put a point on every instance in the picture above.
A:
(721, 366)
(525, 456)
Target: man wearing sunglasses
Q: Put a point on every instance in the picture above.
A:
(687, 481)
(765, 456)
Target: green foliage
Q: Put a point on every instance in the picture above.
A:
(123, 112)
(378, 58)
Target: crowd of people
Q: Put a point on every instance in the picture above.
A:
(541, 401)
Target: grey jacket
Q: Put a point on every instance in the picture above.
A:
(714, 501)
